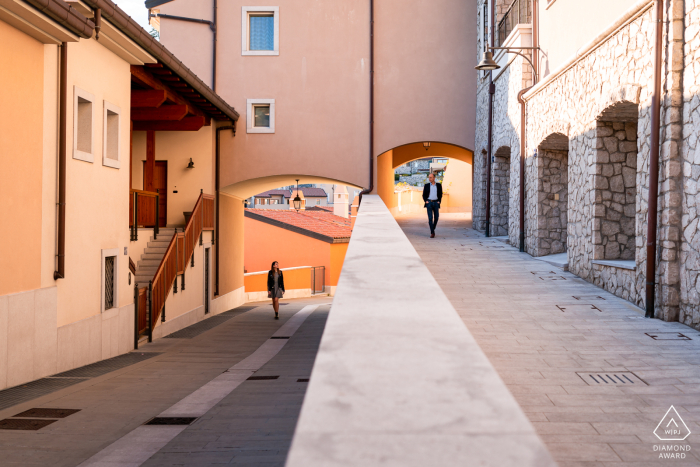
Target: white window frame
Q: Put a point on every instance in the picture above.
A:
(78, 154)
(250, 103)
(105, 253)
(245, 23)
(106, 161)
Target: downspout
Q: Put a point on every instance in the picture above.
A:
(371, 102)
(523, 132)
(492, 91)
(60, 271)
(217, 177)
(213, 58)
(654, 163)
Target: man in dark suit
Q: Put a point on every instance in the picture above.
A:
(432, 195)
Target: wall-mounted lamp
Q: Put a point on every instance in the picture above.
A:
(191, 164)
(297, 200)
(426, 145)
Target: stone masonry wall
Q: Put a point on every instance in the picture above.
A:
(500, 192)
(619, 70)
(552, 202)
(615, 191)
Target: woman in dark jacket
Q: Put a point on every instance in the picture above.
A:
(275, 287)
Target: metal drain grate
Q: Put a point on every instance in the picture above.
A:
(107, 366)
(261, 378)
(171, 421)
(588, 297)
(24, 424)
(618, 378)
(303, 380)
(579, 307)
(668, 336)
(38, 388)
(278, 337)
(47, 413)
(210, 323)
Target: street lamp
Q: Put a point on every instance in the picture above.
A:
(487, 62)
(297, 200)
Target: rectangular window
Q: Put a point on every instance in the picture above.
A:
(261, 34)
(110, 139)
(110, 274)
(260, 116)
(82, 125)
(260, 30)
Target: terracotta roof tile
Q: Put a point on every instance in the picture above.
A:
(320, 222)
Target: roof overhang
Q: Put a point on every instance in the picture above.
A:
(295, 229)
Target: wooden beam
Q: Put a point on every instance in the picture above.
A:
(150, 166)
(147, 98)
(186, 124)
(165, 112)
(143, 76)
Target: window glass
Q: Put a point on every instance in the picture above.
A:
(261, 116)
(262, 32)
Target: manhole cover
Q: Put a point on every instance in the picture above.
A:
(171, 421)
(261, 378)
(24, 424)
(668, 336)
(578, 307)
(47, 413)
(278, 337)
(588, 297)
(618, 378)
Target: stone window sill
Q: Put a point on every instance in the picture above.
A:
(622, 264)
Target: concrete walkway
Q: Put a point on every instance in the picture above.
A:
(542, 327)
(240, 421)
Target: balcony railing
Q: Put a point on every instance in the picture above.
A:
(519, 12)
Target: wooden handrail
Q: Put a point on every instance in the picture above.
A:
(152, 194)
(180, 250)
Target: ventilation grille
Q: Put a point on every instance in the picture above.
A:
(618, 378)
(210, 323)
(262, 378)
(24, 424)
(109, 282)
(38, 388)
(171, 421)
(47, 413)
(107, 366)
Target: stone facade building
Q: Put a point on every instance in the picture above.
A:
(587, 140)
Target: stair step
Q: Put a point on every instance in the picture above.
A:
(148, 263)
(152, 256)
(146, 271)
(159, 243)
(154, 249)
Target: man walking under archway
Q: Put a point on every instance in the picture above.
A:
(432, 195)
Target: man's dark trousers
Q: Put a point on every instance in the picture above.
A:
(433, 214)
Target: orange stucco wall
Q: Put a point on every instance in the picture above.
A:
(293, 279)
(231, 244)
(21, 159)
(265, 243)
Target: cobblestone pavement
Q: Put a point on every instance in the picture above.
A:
(542, 327)
(253, 425)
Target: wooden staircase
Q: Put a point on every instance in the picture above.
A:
(153, 256)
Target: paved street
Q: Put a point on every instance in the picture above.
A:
(540, 326)
(251, 425)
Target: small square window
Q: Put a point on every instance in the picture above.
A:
(110, 270)
(260, 30)
(261, 116)
(110, 142)
(82, 125)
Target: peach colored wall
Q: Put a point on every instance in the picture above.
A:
(385, 179)
(97, 208)
(560, 37)
(231, 244)
(320, 83)
(21, 159)
(177, 147)
(457, 184)
(424, 65)
(293, 279)
(338, 251)
(266, 243)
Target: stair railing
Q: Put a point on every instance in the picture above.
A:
(180, 250)
(144, 209)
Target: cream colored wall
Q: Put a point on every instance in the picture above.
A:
(21, 159)
(568, 25)
(97, 207)
(177, 147)
(458, 184)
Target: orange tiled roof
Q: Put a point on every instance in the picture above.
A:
(321, 222)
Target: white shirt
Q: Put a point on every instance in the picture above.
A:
(433, 192)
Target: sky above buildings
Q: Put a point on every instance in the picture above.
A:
(137, 10)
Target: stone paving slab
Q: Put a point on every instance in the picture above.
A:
(508, 300)
(114, 404)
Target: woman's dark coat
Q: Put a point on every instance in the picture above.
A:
(271, 281)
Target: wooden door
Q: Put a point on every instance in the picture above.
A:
(160, 183)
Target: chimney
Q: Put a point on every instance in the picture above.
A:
(340, 201)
